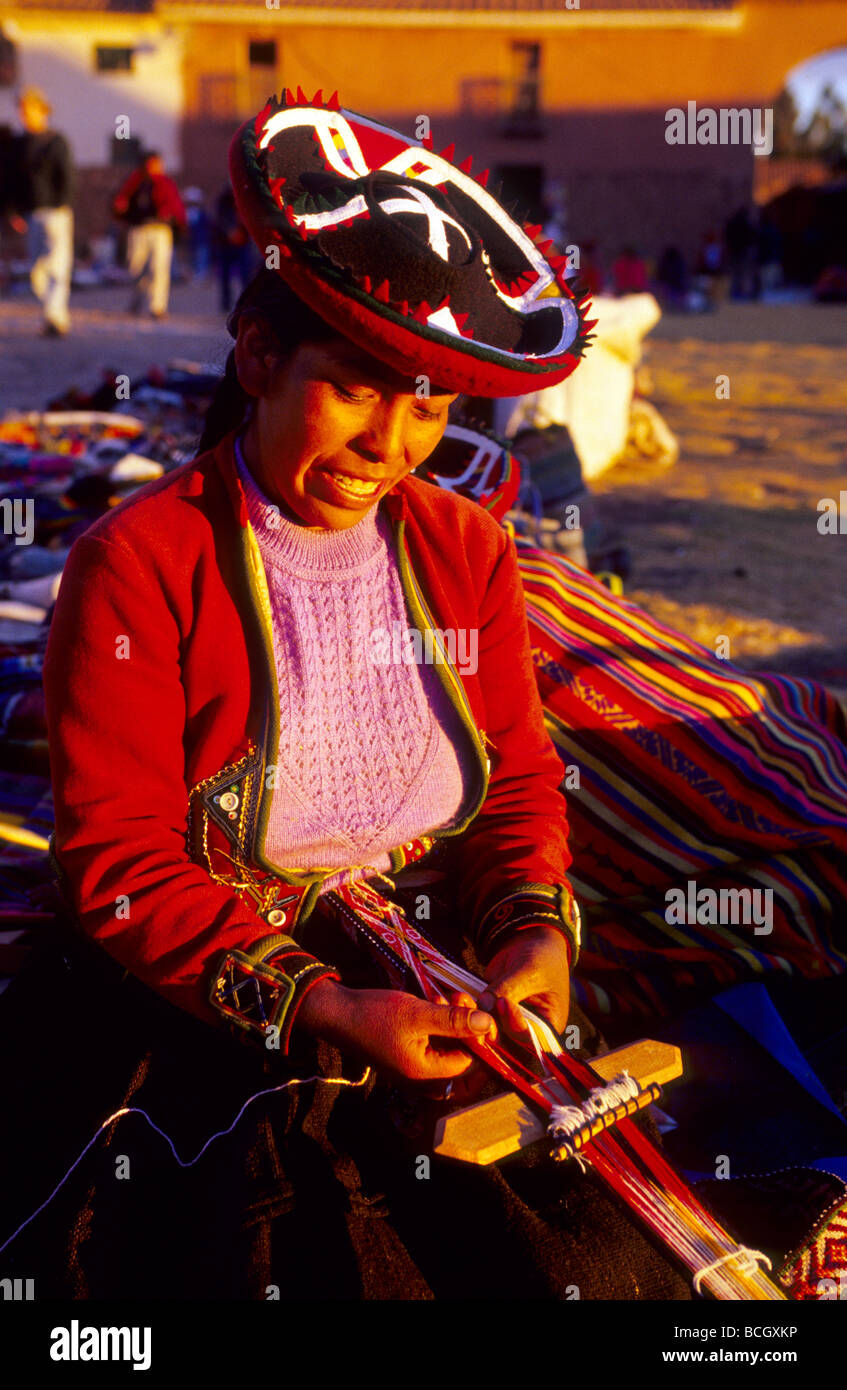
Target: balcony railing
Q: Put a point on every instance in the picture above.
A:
(230, 96)
(512, 106)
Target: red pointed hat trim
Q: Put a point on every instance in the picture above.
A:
(376, 228)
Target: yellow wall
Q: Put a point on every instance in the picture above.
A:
(383, 70)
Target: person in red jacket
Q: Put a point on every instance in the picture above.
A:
(290, 665)
(151, 206)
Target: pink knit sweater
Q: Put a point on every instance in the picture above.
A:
(368, 753)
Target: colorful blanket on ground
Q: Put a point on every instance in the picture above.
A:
(684, 773)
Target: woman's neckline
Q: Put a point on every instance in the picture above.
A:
(316, 551)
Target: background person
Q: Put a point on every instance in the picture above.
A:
(741, 237)
(672, 278)
(199, 232)
(39, 200)
(149, 202)
(236, 255)
(629, 273)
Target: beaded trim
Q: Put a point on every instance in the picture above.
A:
(255, 994)
(532, 904)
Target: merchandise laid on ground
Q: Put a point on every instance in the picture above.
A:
(708, 826)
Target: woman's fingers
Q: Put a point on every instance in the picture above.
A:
(467, 1089)
(514, 982)
(507, 1011)
(456, 1020)
(505, 1001)
(444, 1063)
(510, 1015)
(504, 1010)
(434, 1037)
(531, 970)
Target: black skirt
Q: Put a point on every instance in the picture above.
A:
(315, 1194)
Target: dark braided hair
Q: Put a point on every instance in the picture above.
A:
(292, 322)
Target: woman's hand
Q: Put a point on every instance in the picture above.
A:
(531, 969)
(404, 1037)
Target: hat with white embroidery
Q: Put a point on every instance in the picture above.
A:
(471, 460)
(403, 252)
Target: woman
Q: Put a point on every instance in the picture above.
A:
(233, 740)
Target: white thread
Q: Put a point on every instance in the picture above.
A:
(436, 220)
(567, 1120)
(183, 1162)
(748, 1264)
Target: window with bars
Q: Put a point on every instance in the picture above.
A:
(261, 53)
(109, 59)
(526, 80)
(512, 104)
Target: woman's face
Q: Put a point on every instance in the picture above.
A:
(333, 429)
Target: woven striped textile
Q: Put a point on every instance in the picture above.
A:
(683, 769)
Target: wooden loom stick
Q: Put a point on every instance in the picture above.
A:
(492, 1129)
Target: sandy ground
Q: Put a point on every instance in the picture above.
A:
(32, 369)
(725, 544)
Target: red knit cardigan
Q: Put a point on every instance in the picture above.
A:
(161, 705)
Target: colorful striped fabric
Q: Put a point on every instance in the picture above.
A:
(683, 770)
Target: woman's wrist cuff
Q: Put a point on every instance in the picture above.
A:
(530, 905)
(262, 990)
(500, 939)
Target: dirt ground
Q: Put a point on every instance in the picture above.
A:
(725, 543)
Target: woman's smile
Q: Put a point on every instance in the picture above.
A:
(346, 489)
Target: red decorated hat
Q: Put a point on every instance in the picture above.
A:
(471, 460)
(403, 252)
